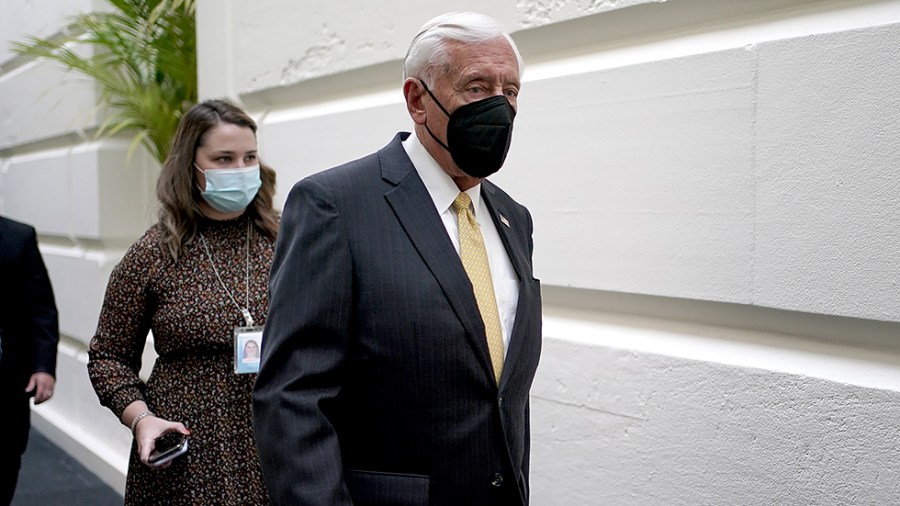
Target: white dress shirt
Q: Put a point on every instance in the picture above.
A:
(443, 192)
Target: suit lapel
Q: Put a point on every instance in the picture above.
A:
(516, 252)
(415, 211)
(500, 214)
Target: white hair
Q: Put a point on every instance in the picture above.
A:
(428, 52)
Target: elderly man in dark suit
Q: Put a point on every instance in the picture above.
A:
(29, 333)
(405, 322)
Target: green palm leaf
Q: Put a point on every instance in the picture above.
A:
(144, 61)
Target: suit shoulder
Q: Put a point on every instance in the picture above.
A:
(498, 193)
(348, 172)
(17, 228)
(364, 173)
(342, 179)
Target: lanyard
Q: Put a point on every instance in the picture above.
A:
(245, 311)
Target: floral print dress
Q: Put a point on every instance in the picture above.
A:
(193, 381)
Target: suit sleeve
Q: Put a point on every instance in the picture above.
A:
(304, 344)
(526, 457)
(42, 315)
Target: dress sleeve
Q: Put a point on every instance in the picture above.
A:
(114, 357)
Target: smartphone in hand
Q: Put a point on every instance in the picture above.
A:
(168, 446)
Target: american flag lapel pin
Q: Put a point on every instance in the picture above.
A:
(504, 221)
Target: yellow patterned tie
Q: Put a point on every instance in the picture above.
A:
(475, 261)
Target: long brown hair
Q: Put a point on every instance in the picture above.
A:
(179, 197)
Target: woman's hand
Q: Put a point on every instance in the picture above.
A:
(148, 430)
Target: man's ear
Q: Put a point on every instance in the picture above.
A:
(414, 93)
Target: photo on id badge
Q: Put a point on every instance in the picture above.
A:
(247, 346)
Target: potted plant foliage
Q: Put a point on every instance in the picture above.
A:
(144, 61)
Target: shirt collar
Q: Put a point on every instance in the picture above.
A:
(440, 185)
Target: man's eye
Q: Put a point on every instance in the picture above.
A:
(512, 93)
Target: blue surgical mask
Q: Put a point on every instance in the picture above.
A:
(230, 190)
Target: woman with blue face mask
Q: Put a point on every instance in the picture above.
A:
(198, 281)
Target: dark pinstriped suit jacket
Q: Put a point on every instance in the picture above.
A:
(376, 382)
(29, 333)
(29, 326)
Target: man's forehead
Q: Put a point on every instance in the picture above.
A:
(497, 45)
(494, 60)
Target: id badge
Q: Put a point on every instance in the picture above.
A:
(247, 346)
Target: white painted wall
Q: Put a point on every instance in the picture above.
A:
(22, 18)
(629, 415)
(88, 200)
(714, 191)
(36, 91)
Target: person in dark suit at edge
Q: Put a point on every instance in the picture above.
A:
(29, 333)
(405, 322)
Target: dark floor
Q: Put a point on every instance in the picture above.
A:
(50, 477)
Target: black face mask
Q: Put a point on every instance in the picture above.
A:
(478, 134)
